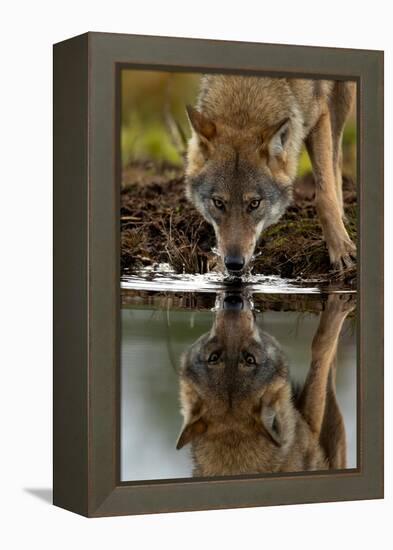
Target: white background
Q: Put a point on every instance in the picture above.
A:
(28, 30)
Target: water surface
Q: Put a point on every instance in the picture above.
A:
(158, 327)
(163, 278)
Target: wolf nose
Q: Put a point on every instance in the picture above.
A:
(234, 263)
(233, 302)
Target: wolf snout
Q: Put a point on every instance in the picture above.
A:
(234, 263)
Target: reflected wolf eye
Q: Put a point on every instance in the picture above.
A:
(254, 204)
(250, 359)
(214, 357)
(218, 203)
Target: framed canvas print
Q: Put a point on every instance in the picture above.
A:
(218, 274)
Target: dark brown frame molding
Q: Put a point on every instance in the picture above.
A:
(86, 273)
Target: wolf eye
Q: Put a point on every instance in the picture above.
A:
(218, 203)
(250, 359)
(213, 357)
(254, 204)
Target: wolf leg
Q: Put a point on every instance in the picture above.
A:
(317, 400)
(333, 437)
(320, 148)
(340, 106)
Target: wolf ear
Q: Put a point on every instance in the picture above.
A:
(190, 431)
(270, 424)
(277, 137)
(203, 126)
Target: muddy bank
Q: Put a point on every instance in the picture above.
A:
(158, 225)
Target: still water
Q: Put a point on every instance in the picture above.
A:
(161, 327)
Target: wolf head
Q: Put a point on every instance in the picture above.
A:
(240, 180)
(234, 378)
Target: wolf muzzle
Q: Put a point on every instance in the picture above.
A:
(233, 302)
(234, 263)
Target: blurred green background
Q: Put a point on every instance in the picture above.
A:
(154, 123)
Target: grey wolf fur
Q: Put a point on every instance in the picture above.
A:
(247, 135)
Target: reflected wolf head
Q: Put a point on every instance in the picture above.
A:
(234, 385)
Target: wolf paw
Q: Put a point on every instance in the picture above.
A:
(343, 257)
(341, 303)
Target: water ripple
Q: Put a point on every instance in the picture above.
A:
(163, 278)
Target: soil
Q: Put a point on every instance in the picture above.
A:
(158, 224)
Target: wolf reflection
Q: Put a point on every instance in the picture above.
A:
(242, 414)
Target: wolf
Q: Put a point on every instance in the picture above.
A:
(242, 158)
(241, 412)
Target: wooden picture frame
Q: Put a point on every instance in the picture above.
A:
(86, 274)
